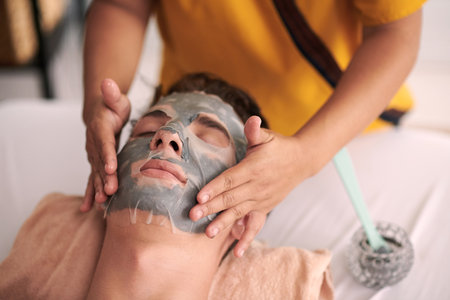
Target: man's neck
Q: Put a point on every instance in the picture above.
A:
(141, 261)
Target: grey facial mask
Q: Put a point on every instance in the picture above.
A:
(199, 161)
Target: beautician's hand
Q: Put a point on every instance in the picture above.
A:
(246, 229)
(104, 123)
(272, 167)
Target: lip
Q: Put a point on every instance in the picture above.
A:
(163, 169)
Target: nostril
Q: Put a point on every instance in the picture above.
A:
(158, 142)
(174, 146)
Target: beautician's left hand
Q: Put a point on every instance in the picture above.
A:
(273, 166)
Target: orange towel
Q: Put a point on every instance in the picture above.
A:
(57, 248)
(55, 252)
(274, 273)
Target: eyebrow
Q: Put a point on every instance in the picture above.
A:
(208, 122)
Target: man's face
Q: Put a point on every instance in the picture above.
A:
(183, 142)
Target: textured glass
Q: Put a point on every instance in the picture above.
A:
(377, 269)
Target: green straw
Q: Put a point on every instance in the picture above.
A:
(343, 163)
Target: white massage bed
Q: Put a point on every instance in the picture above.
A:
(404, 175)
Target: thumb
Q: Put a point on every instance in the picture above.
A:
(114, 99)
(253, 132)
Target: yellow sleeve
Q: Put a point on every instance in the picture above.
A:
(376, 12)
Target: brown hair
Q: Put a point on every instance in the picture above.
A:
(243, 104)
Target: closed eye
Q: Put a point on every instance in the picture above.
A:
(150, 123)
(211, 131)
(210, 123)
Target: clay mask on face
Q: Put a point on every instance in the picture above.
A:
(183, 142)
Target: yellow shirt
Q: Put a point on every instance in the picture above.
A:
(246, 43)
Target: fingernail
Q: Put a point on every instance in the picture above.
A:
(198, 214)
(214, 231)
(108, 168)
(203, 198)
(108, 187)
(240, 252)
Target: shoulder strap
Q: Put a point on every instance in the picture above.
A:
(315, 51)
(307, 42)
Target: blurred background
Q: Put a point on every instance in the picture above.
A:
(54, 70)
(44, 59)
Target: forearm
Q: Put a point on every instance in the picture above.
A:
(376, 72)
(113, 41)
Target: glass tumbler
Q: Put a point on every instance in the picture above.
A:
(377, 269)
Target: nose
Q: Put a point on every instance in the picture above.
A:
(167, 141)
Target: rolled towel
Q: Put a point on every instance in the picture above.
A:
(56, 251)
(274, 273)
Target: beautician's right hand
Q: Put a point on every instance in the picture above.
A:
(104, 121)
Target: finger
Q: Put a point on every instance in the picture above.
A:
(253, 132)
(111, 184)
(101, 137)
(114, 99)
(255, 221)
(228, 180)
(99, 206)
(108, 150)
(88, 196)
(225, 219)
(238, 229)
(100, 195)
(221, 202)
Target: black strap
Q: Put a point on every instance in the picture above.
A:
(315, 51)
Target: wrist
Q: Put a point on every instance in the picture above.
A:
(311, 157)
(90, 108)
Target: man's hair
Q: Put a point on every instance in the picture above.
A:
(243, 104)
